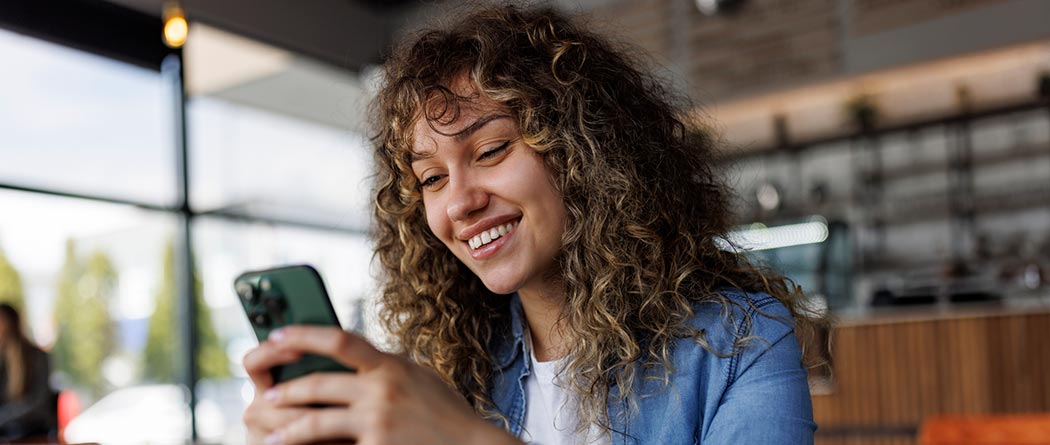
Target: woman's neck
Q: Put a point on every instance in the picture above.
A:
(543, 311)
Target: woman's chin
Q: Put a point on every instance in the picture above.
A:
(500, 286)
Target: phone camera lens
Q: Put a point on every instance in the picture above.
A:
(260, 319)
(247, 292)
(275, 304)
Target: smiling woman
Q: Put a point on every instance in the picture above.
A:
(553, 240)
(477, 176)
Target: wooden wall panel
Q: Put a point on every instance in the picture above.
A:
(872, 16)
(888, 376)
(769, 45)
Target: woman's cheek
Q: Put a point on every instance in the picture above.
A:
(437, 219)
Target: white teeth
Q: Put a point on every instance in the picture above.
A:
(488, 236)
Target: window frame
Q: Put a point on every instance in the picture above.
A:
(128, 36)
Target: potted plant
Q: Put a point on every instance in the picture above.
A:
(863, 110)
(1044, 86)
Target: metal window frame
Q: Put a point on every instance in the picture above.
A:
(129, 36)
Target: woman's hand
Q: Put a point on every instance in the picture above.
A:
(388, 401)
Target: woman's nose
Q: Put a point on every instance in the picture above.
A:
(467, 198)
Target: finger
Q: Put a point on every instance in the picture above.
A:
(260, 360)
(319, 425)
(346, 348)
(326, 388)
(266, 418)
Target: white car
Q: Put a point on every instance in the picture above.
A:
(152, 414)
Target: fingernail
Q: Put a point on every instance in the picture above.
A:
(277, 335)
(270, 394)
(273, 439)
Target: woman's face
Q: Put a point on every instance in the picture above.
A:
(489, 197)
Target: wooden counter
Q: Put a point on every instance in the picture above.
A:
(892, 369)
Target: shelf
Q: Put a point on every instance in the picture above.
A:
(980, 159)
(849, 134)
(918, 208)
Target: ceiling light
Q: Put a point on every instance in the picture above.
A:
(175, 26)
(759, 237)
(715, 7)
(768, 196)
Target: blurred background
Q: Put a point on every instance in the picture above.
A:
(893, 157)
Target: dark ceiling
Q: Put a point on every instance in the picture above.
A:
(346, 33)
(385, 4)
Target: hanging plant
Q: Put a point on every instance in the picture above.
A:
(1044, 85)
(963, 98)
(863, 111)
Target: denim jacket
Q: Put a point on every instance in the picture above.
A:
(757, 396)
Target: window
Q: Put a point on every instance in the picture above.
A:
(80, 123)
(279, 173)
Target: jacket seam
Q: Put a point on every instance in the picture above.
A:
(752, 309)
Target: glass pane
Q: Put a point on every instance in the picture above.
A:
(275, 134)
(89, 276)
(81, 123)
(225, 250)
(260, 163)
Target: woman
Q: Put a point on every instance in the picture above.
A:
(25, 394)
(552, 243)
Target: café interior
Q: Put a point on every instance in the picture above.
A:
(891, 157)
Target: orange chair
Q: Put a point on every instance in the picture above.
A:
(1017, 429)
(68, 407)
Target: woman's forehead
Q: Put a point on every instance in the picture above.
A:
(469, 112)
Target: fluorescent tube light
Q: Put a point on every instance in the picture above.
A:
(760, 237)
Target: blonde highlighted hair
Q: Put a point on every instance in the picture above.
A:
(646, 210)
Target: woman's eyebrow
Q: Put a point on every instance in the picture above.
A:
(475, 126)
(461, 135)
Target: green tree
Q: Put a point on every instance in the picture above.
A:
(86, 334)
(162, 342)
(11, 291)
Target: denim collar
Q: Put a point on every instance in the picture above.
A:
(507, 349)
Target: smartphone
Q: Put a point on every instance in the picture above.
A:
(289, 295)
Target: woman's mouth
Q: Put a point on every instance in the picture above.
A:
(490, 235)
(489, 242)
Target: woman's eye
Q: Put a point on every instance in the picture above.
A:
(429, 181)
(494, 151)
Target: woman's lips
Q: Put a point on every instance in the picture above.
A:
(491, 234)
(486, 250)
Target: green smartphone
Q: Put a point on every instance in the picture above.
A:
(283, 296)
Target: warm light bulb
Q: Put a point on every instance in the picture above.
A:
(707, 7)
(175, 27)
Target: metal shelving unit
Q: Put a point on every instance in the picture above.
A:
(873, 214)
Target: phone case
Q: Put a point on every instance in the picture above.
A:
(283, 296)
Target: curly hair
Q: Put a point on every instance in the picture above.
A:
(647, 217)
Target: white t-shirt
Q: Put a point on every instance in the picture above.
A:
(550, 411)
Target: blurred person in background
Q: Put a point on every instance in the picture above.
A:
(26, 402)
(552, 239)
